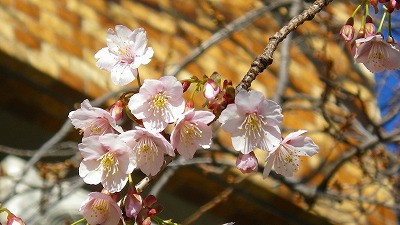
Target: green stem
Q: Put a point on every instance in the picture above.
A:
(381, 23)
(79, 221)
(160, 221)
(364, 16)
(390, 25)
(130, 180)
(356, 10)
(5, 210)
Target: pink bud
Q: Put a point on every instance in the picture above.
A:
(347, 33)
(247, 163)
(185, 85)
(117, 110)
(133, 203)
(211, 90)
(13, 220)
(369, 29)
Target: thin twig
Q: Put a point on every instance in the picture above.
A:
(265, 59)
(225, 32)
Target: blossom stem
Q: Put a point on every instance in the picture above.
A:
(130, 180)
(5, 210)
(79, 221)
(160, 221)
(390, 25)
(381, 23)
(138, 80)
(356, 10)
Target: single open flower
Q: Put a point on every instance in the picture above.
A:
(191, 131)
(149, 149)
(101, 209)
(106, 159)
(252, 121)
(376, 54)
(126, 50)
(158, 103)
(93, 121)
(285, 158)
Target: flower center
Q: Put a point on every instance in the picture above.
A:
(99, 126)
(189, 132)
(109, 163)
(253, 125)
(100, 208)
(159, 103)
(378, 52)
(126, 55)
(146, 149)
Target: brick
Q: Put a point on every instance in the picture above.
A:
(70, 46)
(93, 90)
(106, 21)
(27, 8)
(69, 16)
(37, 30)
(26, 38)
(52, 22)
(98, 5)
(49, 6)
(71, 79)
(82, 9)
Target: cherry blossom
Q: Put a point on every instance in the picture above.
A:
(158, 102)
(247, 163)
(285, 158)
(191, 131)
(126, 50)
(133, 202)
(252, 121)
(101, 209)
(377, 54)
(93, 121)
(13, 220)
(106, 159)
(149, 149)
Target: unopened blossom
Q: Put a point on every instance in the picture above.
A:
(369, 29)
(247, 163)
(106, 160)
(149, 149)
(158, 102)
(133, 202)
(285, 158)
(252, 121)
(126, 50)
(13, 220)
(93, 120)
(117, 110)
(101, 209)
(376, 54)
(211, 90)
(191, 132)
(347, 33)
(150, 208)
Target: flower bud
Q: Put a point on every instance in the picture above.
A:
(13, 220)
(133, 203)
(347, 33)
(247, 163)
(185, 85)
(211, 90)
(117, 110)
(369, 29)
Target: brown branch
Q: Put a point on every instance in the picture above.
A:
(265, 59)
(227, 31)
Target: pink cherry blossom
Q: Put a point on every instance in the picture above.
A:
(93, 121)
(247, 163)
(158, 102)
(252, 122)
(101, 209)
(149, 149)
(347, 32)
(285, 158)
(377, 54)
(191, 131)
(106, 159)
(126, 50)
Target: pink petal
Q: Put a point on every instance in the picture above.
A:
(122, 74)
(248, 102)
(268, 164)
(304, 145)
(203, 117)
(105, 59)
(87, 170)
(140, 40)
(293, 135)
(115, 182)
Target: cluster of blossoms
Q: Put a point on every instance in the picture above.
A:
(110, 153)
(369, 46)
